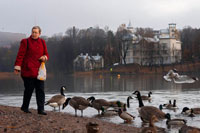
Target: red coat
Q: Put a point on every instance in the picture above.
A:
(27, 59)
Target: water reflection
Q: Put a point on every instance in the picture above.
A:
(111, 87)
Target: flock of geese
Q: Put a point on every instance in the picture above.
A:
(148, 114)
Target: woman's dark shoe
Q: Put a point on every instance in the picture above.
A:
(25, 110)
(42, 113)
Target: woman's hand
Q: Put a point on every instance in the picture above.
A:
(16, 71)
(43, 58)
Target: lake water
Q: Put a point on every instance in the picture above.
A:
(112, 87)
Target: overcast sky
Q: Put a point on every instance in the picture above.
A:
(55, 16)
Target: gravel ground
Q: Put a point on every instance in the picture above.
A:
(13, 120)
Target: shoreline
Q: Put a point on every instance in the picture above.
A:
(12, 119)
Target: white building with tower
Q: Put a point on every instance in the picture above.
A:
(163, 48)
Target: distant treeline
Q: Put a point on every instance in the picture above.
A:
(64, 49)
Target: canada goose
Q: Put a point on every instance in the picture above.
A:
(189, 129)
(147, 97)
(151, 128)
(186, 110)
(121, 104)
(171, 106)
(146, 112)
(125, 116)
(99, 103)
(57, 100)
(170, 121)
(170, 103)
(78, 103)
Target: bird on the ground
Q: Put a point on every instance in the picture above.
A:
(57, 100)
(99, 103)
(127, 117)
(152, 128)
(78, 103)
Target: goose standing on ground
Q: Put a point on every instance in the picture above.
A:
(186, 110)
(189, 129)
(151, 128)
(99, 103)
(147, 97)
(78, 103)
(125, 116)
(57, 100)
(146, 112)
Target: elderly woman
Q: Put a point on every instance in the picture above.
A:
(32, 52)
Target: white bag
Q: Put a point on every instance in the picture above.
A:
(42, 73)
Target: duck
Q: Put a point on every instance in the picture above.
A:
(78, 103)
(170, 121)
(191, 113)
(127, 117)
(57, 100)
(109, 112)
(189, 129)
(152, 128)
(146, 112)
(147, 97)
(117, 104)
(99, 103)
(187, 111)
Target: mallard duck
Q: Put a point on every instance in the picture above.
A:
(99, 103)
(119, 104)
(57, 100)
(108, 113)
(146, 112)
(191, 113)
(186, 110)
(147, 97)
(175, 121)
(125, 116)
(151, 128)
(78, 103)
(189, 129)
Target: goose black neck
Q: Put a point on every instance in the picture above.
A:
(174, 104)
(128, 103)
(149, 95)
(61, 91)
(140, 100)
